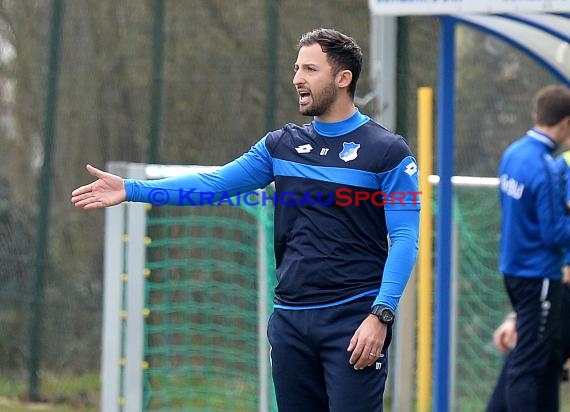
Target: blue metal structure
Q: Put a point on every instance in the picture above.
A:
(546, 39)
(445, 166)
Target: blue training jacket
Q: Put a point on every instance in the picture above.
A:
(328, 249)
(535, 227)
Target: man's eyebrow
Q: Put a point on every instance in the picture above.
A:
(306, 65)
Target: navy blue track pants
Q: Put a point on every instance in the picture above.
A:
(529, 380)
(310, 365)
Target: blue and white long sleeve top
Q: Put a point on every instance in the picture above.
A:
(329, 248)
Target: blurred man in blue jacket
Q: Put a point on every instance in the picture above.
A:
(535, 231)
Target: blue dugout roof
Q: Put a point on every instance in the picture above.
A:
(544, 37)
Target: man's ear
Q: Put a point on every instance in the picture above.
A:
(343, 77)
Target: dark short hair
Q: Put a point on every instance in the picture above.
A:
(551, 104)
(342, 52)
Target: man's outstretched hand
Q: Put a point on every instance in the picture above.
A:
(107, 190)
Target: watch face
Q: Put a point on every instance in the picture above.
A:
(387, 316)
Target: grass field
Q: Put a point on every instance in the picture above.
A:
(8, 405)
(68, 395)
(61, 394)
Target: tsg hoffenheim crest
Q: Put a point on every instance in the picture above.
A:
(349, 151)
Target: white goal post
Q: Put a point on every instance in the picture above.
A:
(123, 362)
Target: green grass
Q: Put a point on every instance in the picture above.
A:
(183, 390)
(81, 394)
(7, 405)
(60, 394)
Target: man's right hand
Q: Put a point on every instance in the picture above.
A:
(107, 190)
(566, 274)
(505, 336)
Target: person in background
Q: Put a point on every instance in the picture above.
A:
(505, 336)
(535, 231)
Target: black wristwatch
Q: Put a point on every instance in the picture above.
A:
(385, 314)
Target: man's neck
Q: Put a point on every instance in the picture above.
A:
(550, 131)
(340, 110)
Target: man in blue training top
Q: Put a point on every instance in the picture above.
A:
(535, 231)
(350, 184)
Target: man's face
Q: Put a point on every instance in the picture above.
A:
(314, 81)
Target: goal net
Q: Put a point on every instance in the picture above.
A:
(186, 304)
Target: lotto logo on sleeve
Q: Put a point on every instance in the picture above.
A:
(411, 168)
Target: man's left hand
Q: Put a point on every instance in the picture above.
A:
(367, 342)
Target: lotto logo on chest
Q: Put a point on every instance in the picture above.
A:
(305, 148)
